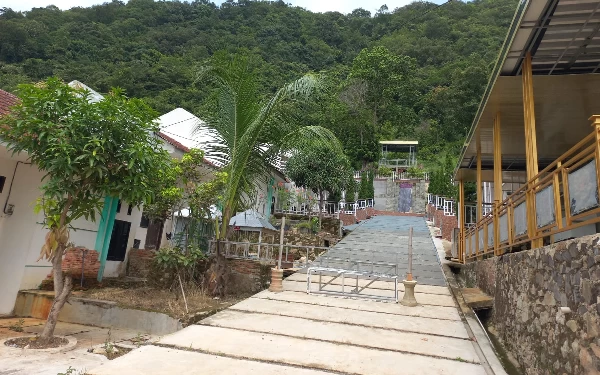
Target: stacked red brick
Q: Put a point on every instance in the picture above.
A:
(74, 259)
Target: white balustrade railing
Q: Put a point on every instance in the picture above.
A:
(395, 176)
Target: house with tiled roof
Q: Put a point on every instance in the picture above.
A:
(7, 100)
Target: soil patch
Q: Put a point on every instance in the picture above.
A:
(121, 352)
(162, 300)
(36, 343)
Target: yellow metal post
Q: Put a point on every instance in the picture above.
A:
(479, 182)
(497, 159)
(497, 180)
(596, 124)
(531, 147)
(461, 213)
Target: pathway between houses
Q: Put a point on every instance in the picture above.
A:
(296, 333)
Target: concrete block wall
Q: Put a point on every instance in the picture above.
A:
(530, 290)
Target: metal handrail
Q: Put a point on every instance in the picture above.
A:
(555, 176)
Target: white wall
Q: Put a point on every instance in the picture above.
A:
(20, 234)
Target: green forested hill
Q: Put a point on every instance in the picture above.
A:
(414, 72)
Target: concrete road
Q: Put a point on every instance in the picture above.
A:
(307, 334)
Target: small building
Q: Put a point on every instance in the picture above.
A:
(398, 155)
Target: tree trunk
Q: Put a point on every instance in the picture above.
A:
(62, 290)
(218, 272)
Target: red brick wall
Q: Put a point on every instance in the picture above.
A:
(393, 213)
(348, 219)
(72, 262)
(140, 262)
(361, 215)
(445, 223)
(448, 225)
(370, 211)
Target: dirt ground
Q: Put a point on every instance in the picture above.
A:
(159, 300)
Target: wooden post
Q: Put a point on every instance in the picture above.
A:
(531, 147)
(461, 224)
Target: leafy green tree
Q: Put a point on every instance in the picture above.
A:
(251, 131)
(87, 151)
(321, 169)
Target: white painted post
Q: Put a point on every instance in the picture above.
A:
(281, 241)
(259, 241)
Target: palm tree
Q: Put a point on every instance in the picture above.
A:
(251, 132)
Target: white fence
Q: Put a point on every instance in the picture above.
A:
(442, 203)
(331, 208)
(395, 176)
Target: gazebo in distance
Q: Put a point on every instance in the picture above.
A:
(398, 155)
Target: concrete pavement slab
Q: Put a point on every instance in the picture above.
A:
(365, 318)
(438, 312)
(154, 360)
(313, 354)
(436, 346)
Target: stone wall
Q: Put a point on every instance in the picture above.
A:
(529, 289)
(419, 196)
(140, 262)
(348, 219)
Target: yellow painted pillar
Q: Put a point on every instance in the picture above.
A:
(461, 224)
(530, 146)
(497, 159)
(497, 180)
(479, 182)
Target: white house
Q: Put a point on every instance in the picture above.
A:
(21, 231)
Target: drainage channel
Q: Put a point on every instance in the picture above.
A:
(484, 317)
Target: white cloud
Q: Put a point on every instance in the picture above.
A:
(343, 6)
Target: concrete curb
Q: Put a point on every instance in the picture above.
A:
(63, 349)
(481, 342)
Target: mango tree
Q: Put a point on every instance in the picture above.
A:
(87, 150)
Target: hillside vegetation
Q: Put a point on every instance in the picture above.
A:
(416, 72)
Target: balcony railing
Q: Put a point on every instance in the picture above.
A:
(563, 196)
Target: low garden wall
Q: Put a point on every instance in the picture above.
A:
(531, 290)
(447, 224)
(247, 276)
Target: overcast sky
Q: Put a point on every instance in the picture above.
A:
(343, 6)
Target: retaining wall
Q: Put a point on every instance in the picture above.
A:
(529, 289)
(37, 304)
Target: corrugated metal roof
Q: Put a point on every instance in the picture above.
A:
(249, 220)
